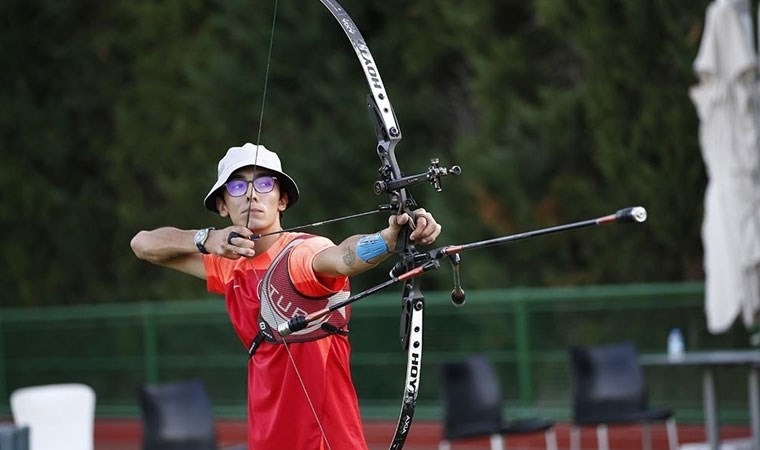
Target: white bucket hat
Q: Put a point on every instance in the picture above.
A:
(250, 155)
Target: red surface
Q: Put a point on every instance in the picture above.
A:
(115, 434)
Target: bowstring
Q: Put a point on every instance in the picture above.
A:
(308, 397)
(248, 219)
(263, 102)
(266, 73)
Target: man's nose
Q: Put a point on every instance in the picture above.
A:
(250, 191)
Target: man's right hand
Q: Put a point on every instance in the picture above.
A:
(231, 242)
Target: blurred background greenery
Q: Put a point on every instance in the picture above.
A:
(114, 114)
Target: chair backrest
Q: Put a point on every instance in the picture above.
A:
(59, 416)
(14, 437)
(176, 415)
(471, 397)
(606, 379)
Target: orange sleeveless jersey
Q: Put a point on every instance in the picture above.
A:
(279, 414)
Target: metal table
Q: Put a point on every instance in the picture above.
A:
(709, 361)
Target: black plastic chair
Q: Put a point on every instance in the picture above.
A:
(177, 416)
(472, 406)
(608, 388)
(13, 437)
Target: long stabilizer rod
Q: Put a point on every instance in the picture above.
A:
(634, 214)
(429, 261)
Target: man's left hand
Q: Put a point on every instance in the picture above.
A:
(425, 232)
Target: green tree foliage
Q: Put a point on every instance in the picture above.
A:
(115, 113)
(56, 129)
(641, 144)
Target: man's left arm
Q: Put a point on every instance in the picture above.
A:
(360, 253)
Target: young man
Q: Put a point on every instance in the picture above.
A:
(300, 393)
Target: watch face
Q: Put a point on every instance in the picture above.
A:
(200, 240)
(201, 235)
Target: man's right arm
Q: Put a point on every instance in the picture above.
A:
(170, 247)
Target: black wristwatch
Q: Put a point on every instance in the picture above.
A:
(200, 239)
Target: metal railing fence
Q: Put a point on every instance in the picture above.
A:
(526, 332)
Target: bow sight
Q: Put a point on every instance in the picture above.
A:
(432, 175)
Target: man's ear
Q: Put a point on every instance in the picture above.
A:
(283, 203)
(222, 207)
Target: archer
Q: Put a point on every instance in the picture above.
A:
(269, 276)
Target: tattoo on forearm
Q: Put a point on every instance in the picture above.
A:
(349, 259)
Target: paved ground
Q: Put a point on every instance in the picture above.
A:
(125, 435)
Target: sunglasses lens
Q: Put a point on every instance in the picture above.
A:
(236, 188)
(263, 184)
